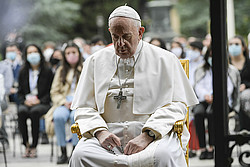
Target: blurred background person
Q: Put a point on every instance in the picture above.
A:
(2, 94)
(97, 43)
(194, 54)
(204, 91)
(7, 77)
(182, 40)
(48, 49)
(35, 80)
(12, 57)
(206, 43)
(238, 52)
(55, 59)
(83, 46)
(158, 42)
(62, 92)
(178, 50)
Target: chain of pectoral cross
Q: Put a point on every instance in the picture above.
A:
(120, 96)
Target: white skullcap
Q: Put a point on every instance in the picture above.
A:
(125, 11)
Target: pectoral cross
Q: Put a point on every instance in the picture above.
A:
(119, 98)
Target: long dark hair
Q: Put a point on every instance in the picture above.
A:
(206, 65)
(27, 64)
(66, 66)
(162, 43)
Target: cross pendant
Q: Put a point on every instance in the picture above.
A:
(119, 98)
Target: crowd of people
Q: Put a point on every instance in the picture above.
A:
(42, 81)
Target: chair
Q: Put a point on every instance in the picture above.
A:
(177, 127)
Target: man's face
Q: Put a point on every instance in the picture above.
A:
(125, 36)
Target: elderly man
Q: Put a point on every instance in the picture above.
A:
(128, 98)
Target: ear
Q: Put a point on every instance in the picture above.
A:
(141, 31)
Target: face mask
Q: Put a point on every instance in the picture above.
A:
(54, 61)
(209, 60)
(177, 51)
(33, 58)
(11, 55)
(72, 58)
(47, 54)
(193, 55)
(234, 50)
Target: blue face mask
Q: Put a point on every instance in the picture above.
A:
(209, 60)
(234, 50)
(33, 58)
(11, 55)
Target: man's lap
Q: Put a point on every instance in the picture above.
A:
(158, 153)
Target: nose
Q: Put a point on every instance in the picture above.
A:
(121, 42)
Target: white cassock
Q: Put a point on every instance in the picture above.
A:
(157, 93)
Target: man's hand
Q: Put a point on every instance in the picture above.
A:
(107, 139)
(138, 144)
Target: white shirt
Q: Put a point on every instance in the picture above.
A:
(205, 87)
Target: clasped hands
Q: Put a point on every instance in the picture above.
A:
(109, 140)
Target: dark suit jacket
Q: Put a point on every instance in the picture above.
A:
(44, 82)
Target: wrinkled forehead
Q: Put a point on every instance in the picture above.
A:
(122, 24)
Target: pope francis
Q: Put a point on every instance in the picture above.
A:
(128, 97)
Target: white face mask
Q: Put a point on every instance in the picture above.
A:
(47, 54)
(177, 51)
(193, 55)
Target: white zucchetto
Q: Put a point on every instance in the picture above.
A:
(125, 11)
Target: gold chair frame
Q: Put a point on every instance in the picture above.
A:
(178, 126)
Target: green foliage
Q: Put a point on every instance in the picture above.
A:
(86, 26)
(194, 16)
(51, 20)
(242, 17)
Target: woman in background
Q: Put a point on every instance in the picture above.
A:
(238, 52)
(35, 80)
(204, 91)
(62, 92)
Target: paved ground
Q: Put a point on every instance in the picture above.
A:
(44, 160)
(44, 152)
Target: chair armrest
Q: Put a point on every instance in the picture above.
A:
(75, 129)
(178, 127)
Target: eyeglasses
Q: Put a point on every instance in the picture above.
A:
(234, 44)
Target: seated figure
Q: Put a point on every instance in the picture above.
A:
(127, 100)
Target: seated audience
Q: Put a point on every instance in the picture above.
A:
(204, 91)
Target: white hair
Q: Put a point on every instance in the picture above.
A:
(136, 23)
